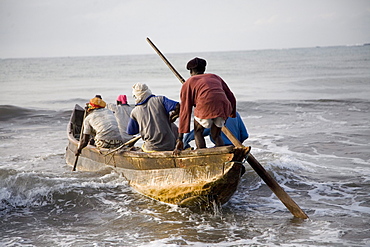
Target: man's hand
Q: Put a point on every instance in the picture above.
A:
(173, 116)
(175, 113)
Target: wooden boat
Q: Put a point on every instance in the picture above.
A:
(198, 179)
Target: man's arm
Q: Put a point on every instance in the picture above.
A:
(132, 127)
(243, 130)
(83, 143)
(230, 96)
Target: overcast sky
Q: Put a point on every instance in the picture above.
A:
(51, 28)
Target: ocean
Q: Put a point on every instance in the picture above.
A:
(307, 111)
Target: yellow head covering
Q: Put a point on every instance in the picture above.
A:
(96, 103)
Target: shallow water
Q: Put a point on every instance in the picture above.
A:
(307, 112)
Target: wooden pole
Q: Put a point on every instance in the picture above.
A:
(81, 133)
(177, 74)
(276, 188)
(129, 142)
(273, 185)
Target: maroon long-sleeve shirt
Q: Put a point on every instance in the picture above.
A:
(210, 96)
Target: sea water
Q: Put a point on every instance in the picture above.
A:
(307, 112)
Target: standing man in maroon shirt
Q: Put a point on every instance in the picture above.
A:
(213, 102)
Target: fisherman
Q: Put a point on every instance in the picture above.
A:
(151, 117)
(102, 122)
(235, 125)
(213, 101)
(122, 111)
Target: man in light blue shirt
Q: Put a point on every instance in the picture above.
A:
(235, 125)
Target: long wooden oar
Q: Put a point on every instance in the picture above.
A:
(274, 186)
(266, 177)
(81, 133)
(129, 142)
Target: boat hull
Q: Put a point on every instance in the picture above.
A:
(194, 187)
(197, 179)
